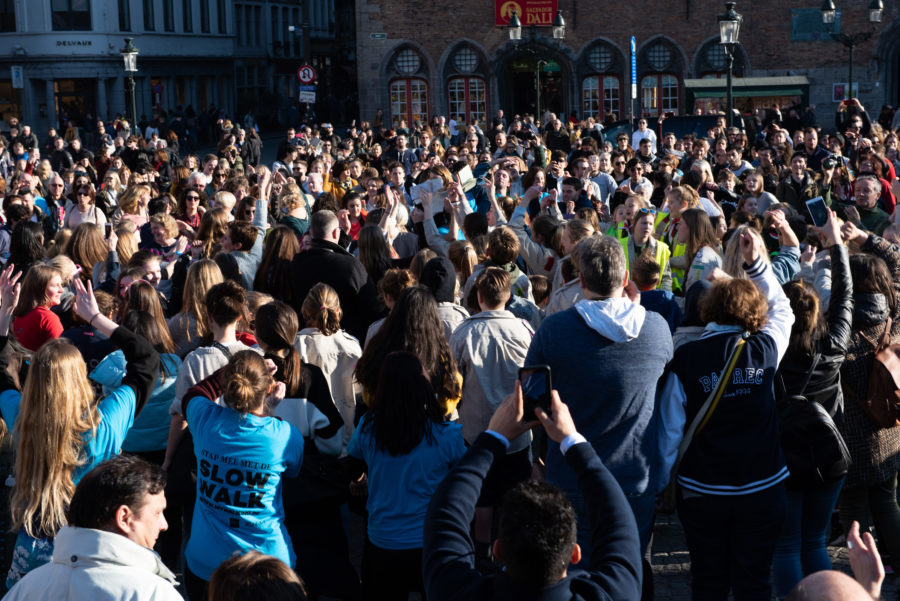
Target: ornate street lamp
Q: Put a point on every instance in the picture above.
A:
(514, 29)
(129, 57)
(829, 12)
(729, 32)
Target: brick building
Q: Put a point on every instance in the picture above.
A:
(455, 57)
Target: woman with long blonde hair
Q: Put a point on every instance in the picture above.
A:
(190, 325)
(212, 229)
(61, 432)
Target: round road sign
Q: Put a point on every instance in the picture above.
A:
(306, 74)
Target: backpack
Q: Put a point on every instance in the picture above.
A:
(813, 448)
(882, 400)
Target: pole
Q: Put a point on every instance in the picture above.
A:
(729, 53)
(850, 85)
(537, 89)
(131, 101)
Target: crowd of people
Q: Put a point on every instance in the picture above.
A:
(218, 359)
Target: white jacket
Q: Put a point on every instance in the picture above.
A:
(336, 356)
(100, 566)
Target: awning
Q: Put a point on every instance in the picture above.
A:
(748, 87)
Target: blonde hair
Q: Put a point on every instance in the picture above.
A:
(130, 200)
(291, 201)
(127, 244)
(322, 309)
(464, 258)
(56, 412)
(733, 263)
(202, 275)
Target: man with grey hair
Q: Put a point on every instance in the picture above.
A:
(327, 262)
(606, 354)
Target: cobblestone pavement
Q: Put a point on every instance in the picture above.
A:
(671, 563)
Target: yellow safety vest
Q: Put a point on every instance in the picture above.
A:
(662, 255)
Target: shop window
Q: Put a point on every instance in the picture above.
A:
(597, 102)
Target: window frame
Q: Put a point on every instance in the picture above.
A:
(467, 101)
(69, 15)
(658, 92)
(408, 102)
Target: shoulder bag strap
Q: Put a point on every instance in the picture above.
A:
(810, 373)
(709, 406)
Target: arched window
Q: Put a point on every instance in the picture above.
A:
(661, 66)
(409, 91)
(711, 60)
(603, 66)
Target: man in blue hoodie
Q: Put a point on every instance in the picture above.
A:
(606, 354)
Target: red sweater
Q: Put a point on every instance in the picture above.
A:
(37, 327)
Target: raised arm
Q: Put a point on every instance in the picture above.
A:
(840, 306)
(142, 358)
(780, 316)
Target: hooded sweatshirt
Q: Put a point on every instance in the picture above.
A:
(605, 358)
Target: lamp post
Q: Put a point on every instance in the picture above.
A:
(876, 11)
(129, 56)
(514, 27)
(729, 31)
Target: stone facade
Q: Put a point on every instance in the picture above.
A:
(676, 40)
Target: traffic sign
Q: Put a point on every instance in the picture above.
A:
(307, 87)
(306, 74)
(308, 97)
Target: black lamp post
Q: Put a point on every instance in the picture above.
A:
(514, 27)
(729, 31)
(876, 11)
(129, 56)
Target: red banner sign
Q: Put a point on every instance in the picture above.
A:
(531, 12)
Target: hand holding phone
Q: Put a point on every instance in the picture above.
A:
(817, 211)
(536, 386)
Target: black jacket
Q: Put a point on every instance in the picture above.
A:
(825, 383)
(328, 263)
(448, 554)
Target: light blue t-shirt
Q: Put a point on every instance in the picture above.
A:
(401, 487)
(150, 431)
(240, 463)
(116, 415)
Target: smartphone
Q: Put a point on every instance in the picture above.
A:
(108, 228)
(536, 386)
(817, 210)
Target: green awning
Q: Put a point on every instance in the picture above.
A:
(747, 87)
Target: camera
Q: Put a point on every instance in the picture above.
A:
(830, 163)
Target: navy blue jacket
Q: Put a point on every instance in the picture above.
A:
(448, 554)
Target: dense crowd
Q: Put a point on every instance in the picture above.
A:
(217, 359)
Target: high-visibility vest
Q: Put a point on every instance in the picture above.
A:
(661, 256)
(678, 274)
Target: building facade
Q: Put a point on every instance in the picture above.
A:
(60, 59)
(456, 58)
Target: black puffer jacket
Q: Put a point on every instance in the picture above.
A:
(825, 383)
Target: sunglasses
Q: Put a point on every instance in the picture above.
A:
(83, 193)
(192, 197)
(644, 211)
(619, 163)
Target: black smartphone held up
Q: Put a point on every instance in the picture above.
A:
(108, 227)
(817, 210)
(536, 386)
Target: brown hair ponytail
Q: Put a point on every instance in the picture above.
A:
(322, 309)
(247, 381)
(276, 327)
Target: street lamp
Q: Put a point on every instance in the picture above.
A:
(876, 11)
(514, 29)
(129, 56)
(729, 31)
